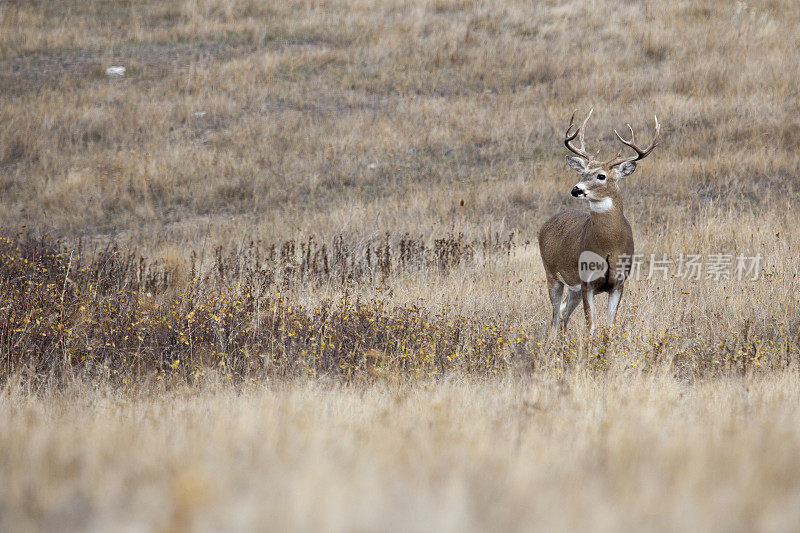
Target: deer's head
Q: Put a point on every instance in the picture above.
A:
(598, 181)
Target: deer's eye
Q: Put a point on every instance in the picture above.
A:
(601, 177)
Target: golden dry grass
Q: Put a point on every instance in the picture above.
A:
(509, 454)
(451, 101)
(246, 120)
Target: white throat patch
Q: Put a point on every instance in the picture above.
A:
(601, 206)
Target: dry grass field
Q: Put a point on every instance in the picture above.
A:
(605, 454)
(283, 273)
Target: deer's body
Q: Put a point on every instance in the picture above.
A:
(603, 231)
(564, 237)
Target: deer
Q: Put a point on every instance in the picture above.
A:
(590, 252)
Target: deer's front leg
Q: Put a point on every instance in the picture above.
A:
(588, 307)
(613, 303)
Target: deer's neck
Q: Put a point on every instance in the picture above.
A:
(607, 222)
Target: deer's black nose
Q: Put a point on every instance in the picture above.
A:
(577, 191)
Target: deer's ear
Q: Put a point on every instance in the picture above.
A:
(625, 168)
(578, 164)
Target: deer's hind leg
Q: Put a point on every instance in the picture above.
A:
(588, 307)
(556, 290)
(573, 299)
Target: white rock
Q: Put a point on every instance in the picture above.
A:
(115, 71)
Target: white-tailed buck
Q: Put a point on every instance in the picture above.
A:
(588, 252)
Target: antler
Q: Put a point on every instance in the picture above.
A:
(568, 137)
(640, 154)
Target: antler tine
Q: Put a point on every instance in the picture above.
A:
(640, 153)
(569, 137)
(583, 130)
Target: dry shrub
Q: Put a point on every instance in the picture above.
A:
(109, 314)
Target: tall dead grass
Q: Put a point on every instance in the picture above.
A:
(513, 454)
